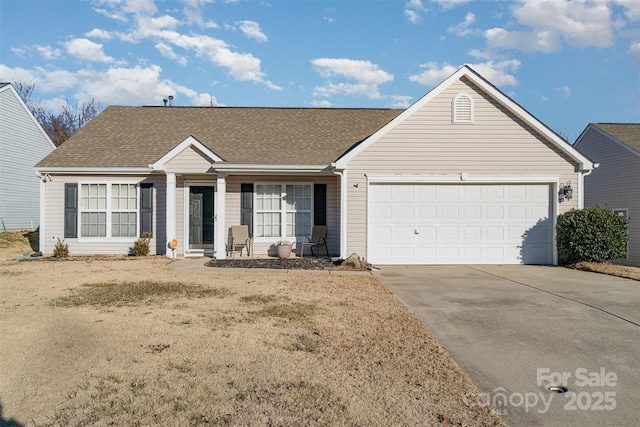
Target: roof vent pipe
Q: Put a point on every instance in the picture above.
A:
(165, 101)
(170, 100)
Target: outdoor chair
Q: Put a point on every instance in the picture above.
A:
(239, 239)
(317, 240)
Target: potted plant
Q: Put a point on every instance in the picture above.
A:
(284, 248)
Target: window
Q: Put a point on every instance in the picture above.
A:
(462, 108)
(283, 210)
(108, 210)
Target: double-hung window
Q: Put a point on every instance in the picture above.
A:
(108, 210)
(283, 210)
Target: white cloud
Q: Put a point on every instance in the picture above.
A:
(400, 101)
(97, 33)
(251, 29)
(19, 51)
(565, 90)
(47, 52)
(321, 103)
(138, 6)
(498, 73)
(193, 10)
(546, 25)
(113, 86)
(462, 29)
(46, 81)
(167, 51)
(86, 49)
(433, 73)
(541, 41)
(367, 77)
(413, 10)
(449, 4)
(363, 71)
(634, 53)
(632, 8)
(163, 31)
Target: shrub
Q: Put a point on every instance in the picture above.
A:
(61, 249)
(592, 234)
(141, 246)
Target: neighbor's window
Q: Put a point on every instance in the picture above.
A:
(108, 210)
(283, 210)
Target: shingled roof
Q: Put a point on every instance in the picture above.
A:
(627, 133)
(134, 137)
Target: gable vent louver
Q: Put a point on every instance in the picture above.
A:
(462, 108)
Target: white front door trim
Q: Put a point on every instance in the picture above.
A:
(188, 252)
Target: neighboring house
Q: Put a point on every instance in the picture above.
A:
(22, 143)
(464, 175)
(616, 182)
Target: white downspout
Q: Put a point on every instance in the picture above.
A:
(42, 215)
(581, 184)
(171, 214)
(343, 209)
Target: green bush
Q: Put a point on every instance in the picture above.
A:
(141, 246)
(592, 234)
(61, 249)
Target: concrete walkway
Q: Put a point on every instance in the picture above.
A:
(516, 329)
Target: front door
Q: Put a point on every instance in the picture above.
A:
(201, 217)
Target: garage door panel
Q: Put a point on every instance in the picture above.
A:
(460, 223)
(404, 213)
(449, 212)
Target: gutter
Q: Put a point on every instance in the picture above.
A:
(584, 173)
(93, 170)
(250, 168)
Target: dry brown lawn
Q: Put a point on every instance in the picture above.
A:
(131, 341)
(610, 269)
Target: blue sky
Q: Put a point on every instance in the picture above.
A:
(567, 62)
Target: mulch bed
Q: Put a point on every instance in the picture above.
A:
(277, 263)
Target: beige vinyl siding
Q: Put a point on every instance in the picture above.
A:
(428, 143)
(614, 184)
(54, 217)
(189, 161)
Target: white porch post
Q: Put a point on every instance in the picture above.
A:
(221, 209)
(171, 213)
(343, 215)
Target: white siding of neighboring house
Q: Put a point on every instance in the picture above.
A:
(615, 184)
(428, 143)
(54, 217)
(22, 144)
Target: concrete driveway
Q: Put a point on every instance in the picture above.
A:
(516, 329)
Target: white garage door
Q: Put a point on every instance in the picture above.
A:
(460, 224)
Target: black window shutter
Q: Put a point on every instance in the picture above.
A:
(146, 208)
(320, 204)
(71, 210)
(246, 208)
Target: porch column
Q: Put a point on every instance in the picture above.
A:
(343, 215)
(171, 214)
(220, 247)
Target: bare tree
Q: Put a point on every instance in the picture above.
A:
(59, 126)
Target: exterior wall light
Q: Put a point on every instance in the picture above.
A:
(566, 192)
